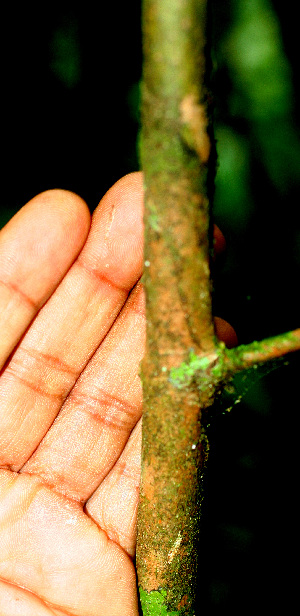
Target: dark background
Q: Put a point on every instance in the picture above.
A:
(69, 104)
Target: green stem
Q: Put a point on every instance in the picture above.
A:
(247, 356)
(175, 153)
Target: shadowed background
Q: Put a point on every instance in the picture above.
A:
(70, 98)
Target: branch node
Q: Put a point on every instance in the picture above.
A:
(194, 130)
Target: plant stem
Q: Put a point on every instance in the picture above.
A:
(246, 356)
(175, 154)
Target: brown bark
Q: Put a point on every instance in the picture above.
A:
(178, 291)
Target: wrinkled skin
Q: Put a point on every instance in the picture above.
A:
(72, 338)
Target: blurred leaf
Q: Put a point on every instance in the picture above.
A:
(65, 53)
(256, 56)
(237, 537)
(232, 200)
(219, 591)
(262, 88)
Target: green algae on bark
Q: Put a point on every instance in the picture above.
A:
(182, 376)
(154, 604)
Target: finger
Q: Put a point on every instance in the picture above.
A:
(70, 327)
(225, 332)
(219, 242)
(96, 420)
(113, 506)
(37, 248)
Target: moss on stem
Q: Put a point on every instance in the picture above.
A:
(175, 152)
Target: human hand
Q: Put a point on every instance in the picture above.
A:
(72, 338)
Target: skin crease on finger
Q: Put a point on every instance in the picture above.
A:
(58, 556)
(37, 247)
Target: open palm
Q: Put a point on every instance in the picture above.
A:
(72, 336)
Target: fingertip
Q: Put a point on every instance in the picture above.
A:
(115, 243)
(133, 180)
(225, 332)
(40, 243)
(68, 208)
(219, 241)
(37, 248)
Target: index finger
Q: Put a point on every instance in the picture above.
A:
(37, 247)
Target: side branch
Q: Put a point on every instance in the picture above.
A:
(247, 356)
